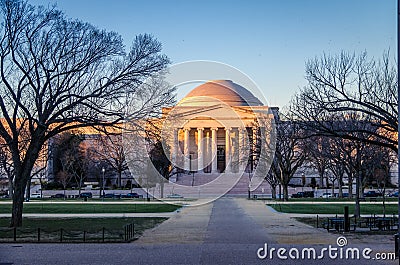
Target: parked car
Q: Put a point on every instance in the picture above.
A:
(395, 194)
(174, 196)
(86, 195)
(131, 195)
(108, 196)
(298, 195)
(303, 194)
(372, 193)
(35, 195)
(326, 195)
(57, 196)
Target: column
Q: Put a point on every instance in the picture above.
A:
(206, 156)
(214, 165)
(253, 148)
(243, 149)
(186, 148)
(227, 149)
(175, 147)
(200, 151)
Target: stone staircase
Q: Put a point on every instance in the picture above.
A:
(203, 185)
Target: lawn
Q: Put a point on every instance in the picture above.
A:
(66, 208)
(333, 208)
(73, 229)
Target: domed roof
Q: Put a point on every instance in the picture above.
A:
(225, 91)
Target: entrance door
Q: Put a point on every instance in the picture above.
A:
(221, 158)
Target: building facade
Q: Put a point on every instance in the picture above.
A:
(216, 128)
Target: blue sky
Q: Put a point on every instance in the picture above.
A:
(269, 40)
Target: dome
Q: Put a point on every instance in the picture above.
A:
(226, 91)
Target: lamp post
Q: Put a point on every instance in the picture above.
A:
(357, 210)
(249, 187)
(103, 170)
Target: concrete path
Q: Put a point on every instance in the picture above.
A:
(282, 227)
(227, 231)
(187, 225)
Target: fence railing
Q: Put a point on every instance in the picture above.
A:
(129, 232)
(67, 236)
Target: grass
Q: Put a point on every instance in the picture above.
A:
(73, 228)
(66, 208)
(333, 208)
(379, 199)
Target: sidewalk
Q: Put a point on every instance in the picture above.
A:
(186, 226)
(282, 227)
(192, 224)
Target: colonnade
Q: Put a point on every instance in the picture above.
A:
(204, 152)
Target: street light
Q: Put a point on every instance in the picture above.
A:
(249, 187)
(103, 170)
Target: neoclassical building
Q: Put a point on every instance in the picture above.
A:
(215, 128)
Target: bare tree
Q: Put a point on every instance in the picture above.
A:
(337, 163)
(59, 74)
(6, 166)
(159, 156)
(273, 179)
(110, 148)
(290, 153)
(317, 150)
(346, 84)
(64, 177)
(66, 148)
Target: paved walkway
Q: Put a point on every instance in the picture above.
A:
(230, 219)
(227, 231)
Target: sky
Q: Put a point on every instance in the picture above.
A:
(268, 40)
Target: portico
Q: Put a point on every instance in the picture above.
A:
(208, 149)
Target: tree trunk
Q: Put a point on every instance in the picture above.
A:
(18, 201)
(162, 189)
(350, 184)
(10, 188)
(80, 186)
(321, 179)
(384, 202)
(119, 179)
(273, 192)
(340, 188)
(28, 190)
(285, 192)
(22, 173)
